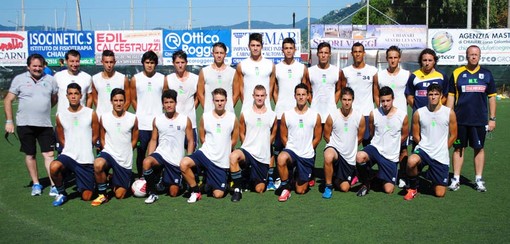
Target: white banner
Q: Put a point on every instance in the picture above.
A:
(272, 42)
(129, 46)
(13, 48)
(451, 44)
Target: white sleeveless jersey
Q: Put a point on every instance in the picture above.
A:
(323, 87)
(287, 76)
(78, 134)
(148, 97)
(63, 79)
(256, 73)
(300, 132)
(218, 79)
(104, 88)
(172, 133)
(344, 135)
(118, 137)
(186, 92)
(434, 131)
(258, 134)
(387, 133)
(361, 81)
(217, 145)
(398, 84)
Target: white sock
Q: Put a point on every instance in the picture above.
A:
(478, 177)
(456, 178)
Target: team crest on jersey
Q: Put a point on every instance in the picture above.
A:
(481, 76)
(464, 75)
(178, 127)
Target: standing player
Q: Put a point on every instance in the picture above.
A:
(166, 148)
(78, 129)
(470, 88)
(73, 74)
(217, 75)
(289, 73)
(185, 83)
(218, 134)
(105, 81)
(389, 129)
(255, 70)
(257, 129)
(301, 133)
(146, 90)
(36, 93)
(343, 133)
(434, 131)
(396, 78)
(118, 136)
(362, 78)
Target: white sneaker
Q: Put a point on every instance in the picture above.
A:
(480, 186)
(454, 186)
(151, 199)
(195, 196)
(53, 191)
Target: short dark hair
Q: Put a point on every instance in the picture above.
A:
(385, 91)
(220, 45)
(289, 40)
(393, 48)
(170, 94)
(108, 53)
(72, 52)
(151, 56)
(35, 56)
(434, 87)
(219, 91)
(117, 91)
(74, 85)
(347, 91)
(301, 86)
(324, 44)
(179, 54)
(357, 44)
(259, 88)
(427, 51)
(255, 37)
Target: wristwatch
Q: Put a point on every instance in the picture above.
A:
(492, 118)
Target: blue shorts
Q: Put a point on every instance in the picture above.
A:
(366, 135)
(195, 140)
(144, 136)
(387, 169)
(258, 170)
(84, 172)
(474, 135)
(304, 166)
(121, 176)
(171, 174)
(342, 170)
(277, 144)
(216, 177)
(437, 172)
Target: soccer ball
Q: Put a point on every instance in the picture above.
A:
(138, 188)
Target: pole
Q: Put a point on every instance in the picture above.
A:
(308, 34)
(368, 12)
(294, 20)
(189, 15)
(132, 19)
(469, 13)
(22, 15)
(78, 16)
(427, 14)
(249, 14)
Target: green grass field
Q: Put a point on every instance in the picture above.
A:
(465, 216)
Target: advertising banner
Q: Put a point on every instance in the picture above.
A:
(13, 48)
(451, 44)
(371, 36)
(272, 40)
(197, 44)
(128, 46)
(54, 45)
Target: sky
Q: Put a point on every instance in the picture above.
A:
(169, 14)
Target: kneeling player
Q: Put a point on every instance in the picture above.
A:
(343, 132)
(119, 134)
(166, 147)
(389, 128)
(434, 131)
(218, 132)
(76, 126)
(300, 133)
(257, 129)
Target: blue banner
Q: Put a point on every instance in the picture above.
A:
(54, 45)
(196, 43)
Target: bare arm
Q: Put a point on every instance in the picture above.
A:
(375, 87)
(361, 129)
(189, 137)
(453, 129)
(201, 131)
(134, 134)
(410, 100)
(95, 128)
(328, 127)
(450, 101)
(275, 91)
(242, 128)
(132, 88)
(153, 143)
(60, 132)
(283, 131)
(127, 90)
(234, 135)
(273, 131)
(9, 98)
(102, 133)
(93, 95)
(371, 124)
(165, 84)
(201, 88)
(272, 81)
(338, 88)
(343, 80)
(492, 112)
(404, 133)
(240, 82)
(416, 127)
(317, 132)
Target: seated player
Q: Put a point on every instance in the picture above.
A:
(119, 134)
